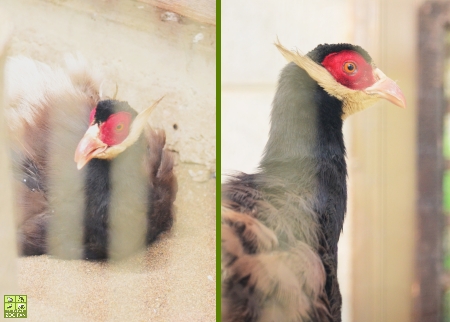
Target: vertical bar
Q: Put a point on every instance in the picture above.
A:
(8, 251)
(428, 289)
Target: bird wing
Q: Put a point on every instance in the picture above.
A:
(262, 280)
(32, 87)
(48, 114)
(160, 164)
(38, 97)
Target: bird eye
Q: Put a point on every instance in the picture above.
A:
(119, 127)
(350, 67)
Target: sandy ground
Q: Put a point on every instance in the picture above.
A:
(174, 280)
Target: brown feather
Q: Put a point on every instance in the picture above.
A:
(48, 114)
(165, 187)
(261, 282)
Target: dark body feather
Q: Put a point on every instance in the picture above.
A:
(299, 193)
(160, 214)
(97, 200)
(72, 213)
(161, 195)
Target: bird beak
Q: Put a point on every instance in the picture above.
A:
(89, 147)
(386, 88)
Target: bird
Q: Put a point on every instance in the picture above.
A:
(93, 180)
(280, 225)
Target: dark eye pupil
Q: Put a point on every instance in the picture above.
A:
(350, 67)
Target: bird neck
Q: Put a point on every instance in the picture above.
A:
(306, 124)
(116, 203)
(306, 147)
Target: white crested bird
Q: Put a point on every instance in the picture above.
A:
(281, 225)
(93, 178)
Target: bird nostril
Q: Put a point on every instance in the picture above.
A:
(175, 126)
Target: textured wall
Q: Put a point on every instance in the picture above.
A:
(144, 52)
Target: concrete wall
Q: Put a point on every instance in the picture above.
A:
(138, 48)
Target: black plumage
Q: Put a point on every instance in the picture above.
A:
(106, 108)
(281, 225)
(114, 205)
(97, 201)
(319, 53)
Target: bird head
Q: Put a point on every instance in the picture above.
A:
(348, 73)
(113, 127)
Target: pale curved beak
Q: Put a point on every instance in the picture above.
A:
(89, 147)
(386, 88)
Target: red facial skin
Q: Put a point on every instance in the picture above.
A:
(115, 129)
(340, 66)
